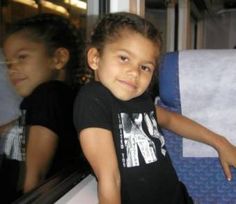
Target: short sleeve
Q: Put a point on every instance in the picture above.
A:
(51, 106)
(92, 108)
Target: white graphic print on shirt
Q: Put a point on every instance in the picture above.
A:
(12, 142)
(134, 138)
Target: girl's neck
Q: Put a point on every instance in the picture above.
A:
(59, 75)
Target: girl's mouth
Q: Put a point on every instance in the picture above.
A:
(17, 81)
(129, 84)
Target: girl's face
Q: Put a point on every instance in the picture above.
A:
(126, 65)
(28, 63)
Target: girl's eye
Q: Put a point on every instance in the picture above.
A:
(123, 58)
(22, 57)
(146, 68)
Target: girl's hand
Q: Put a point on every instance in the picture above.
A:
(227, 156)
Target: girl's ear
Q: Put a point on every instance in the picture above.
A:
(93, 58)
(60, 58)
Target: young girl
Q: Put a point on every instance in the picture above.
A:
(118, 125)
(42, 54)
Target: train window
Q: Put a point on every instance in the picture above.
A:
(10, 12)
(214, 23)
(156, 12)
(54, 188)
(195, 24)
(13, 10)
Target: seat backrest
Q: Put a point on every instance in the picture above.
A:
(201, 84)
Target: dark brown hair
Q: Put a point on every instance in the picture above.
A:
(111, 25)
(55, 31)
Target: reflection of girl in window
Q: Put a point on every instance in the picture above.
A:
(42, 54)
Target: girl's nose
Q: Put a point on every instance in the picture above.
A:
(11, 65)
(133, 71)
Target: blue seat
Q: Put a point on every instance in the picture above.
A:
(190, 83)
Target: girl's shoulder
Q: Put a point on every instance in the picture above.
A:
(93, 95)
(52, 86)
(52, 92)
(94, 89)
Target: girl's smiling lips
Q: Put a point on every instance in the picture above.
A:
(129, 84)
(17, 80)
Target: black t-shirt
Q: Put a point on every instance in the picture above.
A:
(51, 105)
(147, 175)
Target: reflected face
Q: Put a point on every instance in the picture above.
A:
(126, 65)
(28, 63)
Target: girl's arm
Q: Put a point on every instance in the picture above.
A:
(98, 147)
(194, 131)
(40, 150)
(6, 127)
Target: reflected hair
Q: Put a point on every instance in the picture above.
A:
(54, 32)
